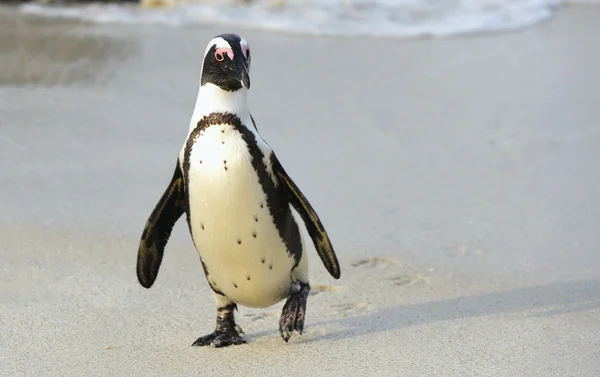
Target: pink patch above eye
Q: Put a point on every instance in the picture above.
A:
(221, 52)
(245, 50)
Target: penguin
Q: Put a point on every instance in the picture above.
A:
(238, 202)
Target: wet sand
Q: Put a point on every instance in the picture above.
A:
(458, 180)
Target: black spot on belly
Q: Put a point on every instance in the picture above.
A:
(262, 205)
(225, 167)
(239, 241)
(276, 201)
(271, 266)
(200, 161)
(202, 226)
(254, 234)
(235, 285)
(263, 260)
(248, 277)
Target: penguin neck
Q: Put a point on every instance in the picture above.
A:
(212, 99)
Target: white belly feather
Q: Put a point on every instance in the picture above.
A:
(231, 225)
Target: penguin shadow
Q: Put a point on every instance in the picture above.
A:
(538, 301)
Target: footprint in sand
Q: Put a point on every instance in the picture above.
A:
(409, 280)
(320, 288)
(380, 262)
(352, 308)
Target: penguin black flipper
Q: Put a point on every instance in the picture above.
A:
(158, 229)
(311, 219)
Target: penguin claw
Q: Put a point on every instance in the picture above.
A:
(221, 339)
(293, 313)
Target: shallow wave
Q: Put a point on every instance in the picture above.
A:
(404, 18)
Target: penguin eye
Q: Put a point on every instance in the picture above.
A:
(221, 52)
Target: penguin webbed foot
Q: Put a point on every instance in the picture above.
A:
(221, 338)
(294, 312)
(227, 332)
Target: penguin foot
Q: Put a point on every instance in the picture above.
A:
(293, 313)
(220, 339)
(227, 332)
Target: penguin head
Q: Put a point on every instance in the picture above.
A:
(227, 63)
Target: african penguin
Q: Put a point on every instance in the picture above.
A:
(237, 199)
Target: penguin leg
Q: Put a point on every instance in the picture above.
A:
(227, 332)
(294, 310)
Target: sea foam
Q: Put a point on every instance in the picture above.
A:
(399, 18)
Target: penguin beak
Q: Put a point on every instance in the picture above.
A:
(242, 69)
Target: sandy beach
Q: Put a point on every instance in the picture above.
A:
(458, 180)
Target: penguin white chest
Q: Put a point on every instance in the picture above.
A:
(244, 255)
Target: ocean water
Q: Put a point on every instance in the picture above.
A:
(400, 18)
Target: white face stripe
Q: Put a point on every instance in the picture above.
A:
(222, 43)
(219, 42)
(245, 47)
